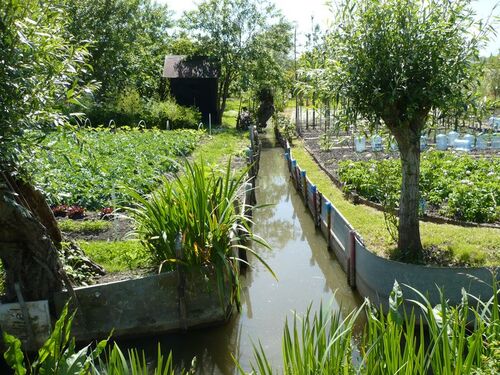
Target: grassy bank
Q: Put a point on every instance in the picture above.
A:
(476, 246)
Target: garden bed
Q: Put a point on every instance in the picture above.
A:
(457, 188)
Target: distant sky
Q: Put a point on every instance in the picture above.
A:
(300, 12)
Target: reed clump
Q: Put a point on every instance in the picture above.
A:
(196, 221)
(463, 339)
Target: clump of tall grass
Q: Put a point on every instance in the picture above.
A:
(60, 356)
(190, 219)
(463, 339)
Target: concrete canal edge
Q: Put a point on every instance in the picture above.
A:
(374, 276)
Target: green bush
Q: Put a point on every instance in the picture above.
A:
(189, 221)
(128, 109)
(157, 113)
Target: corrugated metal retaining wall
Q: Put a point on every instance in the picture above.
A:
(372, 275)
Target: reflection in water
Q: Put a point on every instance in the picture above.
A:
(307, 273)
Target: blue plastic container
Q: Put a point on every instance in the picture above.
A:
(377, 143)
(451, 138)
(441, 142)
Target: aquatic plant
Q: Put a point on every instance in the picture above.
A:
(463, 339)
(189, 222)
(59, 356)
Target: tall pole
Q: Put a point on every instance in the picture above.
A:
(296, 79)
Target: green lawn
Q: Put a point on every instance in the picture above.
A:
(84, 226)
(116, 256)
(478, 246)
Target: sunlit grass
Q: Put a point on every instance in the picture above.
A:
(116, 256)
(225, 141)
(84, 226)
(478, 246)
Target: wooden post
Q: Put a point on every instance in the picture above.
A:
(304, 185)
(352, 259)
(181, 289)
(26, 316)
(315, 209)
(329, 223)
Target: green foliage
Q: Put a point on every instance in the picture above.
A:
(249, 39)
(490, 85)
(459, 186)
(39, 74)
(127, 42)
(285, 126)
(319, 343)
(189, 222)
(478, 246)
(394, 343)
(90, 167)
(388, 58)
(159, 112)
(129, 108)
(57, 356)
(116, 256)
(76, 265)
(84, 226)
(134, 363)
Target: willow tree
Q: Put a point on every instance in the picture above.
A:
(39, 67)
(395, 60)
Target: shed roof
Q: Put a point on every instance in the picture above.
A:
(180, 66)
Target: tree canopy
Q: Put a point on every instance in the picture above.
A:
(127, 40)
(247, 38)
(395, 60)
(40, 72)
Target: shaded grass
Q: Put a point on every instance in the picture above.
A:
(84, 226)
(477, 246)
(116, 256)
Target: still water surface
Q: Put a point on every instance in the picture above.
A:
(306, 274)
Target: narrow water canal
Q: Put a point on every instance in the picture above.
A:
(307, 273)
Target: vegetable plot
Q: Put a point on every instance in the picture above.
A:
(454, 185)
(89, 168)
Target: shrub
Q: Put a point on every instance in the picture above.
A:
(157, 113)
(128, 109)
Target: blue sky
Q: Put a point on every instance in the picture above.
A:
(300, 12)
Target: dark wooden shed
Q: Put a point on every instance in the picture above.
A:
(193, 82)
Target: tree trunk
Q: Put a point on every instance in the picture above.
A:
(409, 243)
(27, 251)
(223, 94)
(407, 135)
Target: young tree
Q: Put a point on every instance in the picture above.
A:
(39, 70)
(244, 37)
(395, 60)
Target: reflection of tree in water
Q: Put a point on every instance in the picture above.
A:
(273, 188)
(335, 277)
